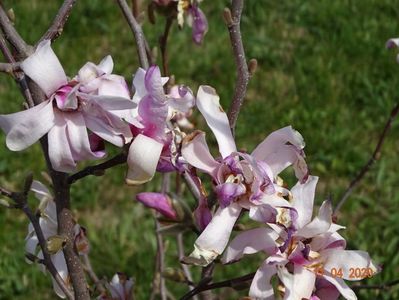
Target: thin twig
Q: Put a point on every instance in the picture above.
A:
(232, 18)
(233, 283)
(376, 155)
(89, 269)
(137, 31)
(21, 202)
(163, 42)
(136, 8)
(383, 286)
(186, 269)
(98, 169)
(59, 21)
(11, 35)
(9, 67)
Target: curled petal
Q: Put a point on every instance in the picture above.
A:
(144, 153)
(44, 68)
(106, 64)
(228, 192)
(138, 83)
(261, 287)
(199, 24)
(250, 242)
(40, 190)
(342, 287)
(196, 152)
(298, 285)
(159, 202)
(26, 127)
(60, 264)
(303, 198)
(320, 224)
(113, 85)
(213, 240)
(209, 106)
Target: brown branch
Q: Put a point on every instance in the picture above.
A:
(163, 42)
(137, 32)
(233, 283)
(232, 18)
(59, 21)
(9, 67)
(383, 286)
(98, 169)
(20, 200)
(11, 35)
(376, 155)
(89, 269)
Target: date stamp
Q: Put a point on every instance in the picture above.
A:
(352, 273)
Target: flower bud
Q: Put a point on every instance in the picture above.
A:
(160, 202)
(55, 243)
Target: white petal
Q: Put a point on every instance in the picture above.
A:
(60, 264)
(261, 287)
(44, 68)
(209, 106)
(35, 124)
(110, 102)
(113, 85)
(139, 85)
(144, 153)
(40, 190)
(298, 285)
(320, 224)
(250, 242)
(106, 65)
(342, 287)
(196, 152)
(104, 130)
(303, 199)
(213, 240)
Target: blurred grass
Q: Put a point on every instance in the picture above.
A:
(323, 68)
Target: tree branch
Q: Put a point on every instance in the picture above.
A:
(11, 35)
(383, 286)
(186, 269)
(59, 21)
(376, 155)
(98, 169)
(9, 67)
(137, 31)
(163, 42)
(233, 283)
(232, 18)
(21, 202)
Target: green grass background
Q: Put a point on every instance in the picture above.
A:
(323, 68)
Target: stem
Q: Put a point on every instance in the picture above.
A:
(163, 42)
(383, 286)
(376, 155)
(137, 32)
(59, 21)
(232, 19)
(186, 269)
(9, 67)
(89, 269)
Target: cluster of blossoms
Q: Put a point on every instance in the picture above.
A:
(80, 114)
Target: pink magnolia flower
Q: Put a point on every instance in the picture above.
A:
(95, 99)
(120, 288)
(241, 180)
(154, 138)
(158, 201)
(313, 252)
(49, 225)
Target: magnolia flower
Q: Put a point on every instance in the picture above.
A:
(195, 18)
(120, 288)
(160, 202)
(241, 180)
(314, 251)
(95, 99)
(393, 43)
(154, 110)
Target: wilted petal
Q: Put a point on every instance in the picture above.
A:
(196, 152)
(159, 202)
(199, 24)
(60, 264)
(250, 242)
(298, 285)
(144, 153)
(264, 213)
(209, 106)
(342, 287)
(261, 287)
(325, 290)
(213, 240)
(228, 192)
(103, 130)
(182, 98)
(40, 190)
(303, 198)
(121, 287)
(26, 127)
(44, 68)
(327, 240)
(349, 259)
(320, 224)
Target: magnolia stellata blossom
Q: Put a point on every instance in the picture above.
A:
(158, 201)
(153, 139)
(393, 43)
(49, 225)
(314, 251)
(241, 180)
(120, 288)
(95, 99)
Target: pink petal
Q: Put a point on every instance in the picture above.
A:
(213, 240)
(44, 68)
(113, 85)
(320, 224)
(303, 198)
(106, 64)
(144, 153)
(327, 240)
(159, 202)
(298, 285)
(261, 287)
(25, 128)
(138, 83)
(342, 287)
(250, 242)
(196, 152)
(209, 106)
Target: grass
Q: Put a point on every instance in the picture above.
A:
(323, 68)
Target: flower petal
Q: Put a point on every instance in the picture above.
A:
(320, 224)
(213, 240)
(303, 198)
(209, 106)
(342, 287)
(228, 192)
(144, 153)
(44, 68)
(250, 242)
(298, 285)
(261, 287)
(33, 125)
(106, 64)
(159, 202)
